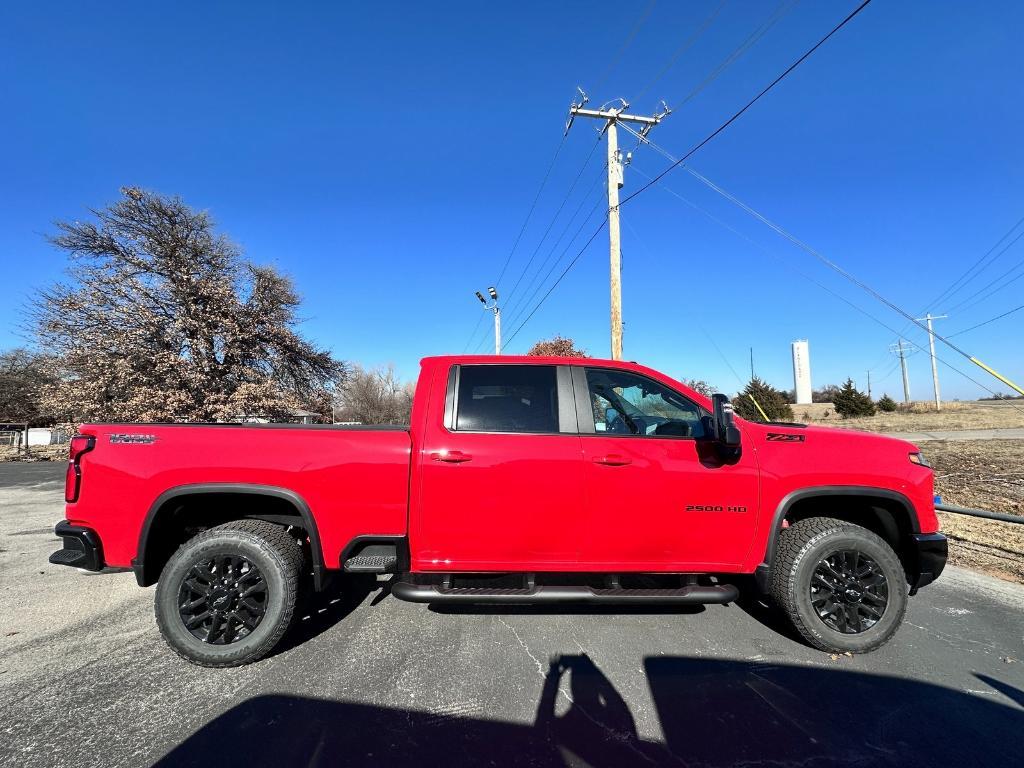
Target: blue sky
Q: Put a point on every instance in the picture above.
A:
(385, 156)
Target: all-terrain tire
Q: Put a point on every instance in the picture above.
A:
(278, 560)
(801, 549)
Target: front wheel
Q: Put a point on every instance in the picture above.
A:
(842, 586)
(228, 595)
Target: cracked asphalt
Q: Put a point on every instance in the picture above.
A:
(85, 679)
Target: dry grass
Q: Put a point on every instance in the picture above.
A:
(921, 417)
(35, 453)
(982, 474)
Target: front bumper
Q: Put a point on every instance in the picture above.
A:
(82, 547)
(930, 551)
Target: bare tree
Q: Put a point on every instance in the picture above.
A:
(557, 347)
(699, 385)
(374, 396)
(23, 374)
(164, 320)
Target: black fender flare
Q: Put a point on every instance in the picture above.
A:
(762, 572)
(145, 578)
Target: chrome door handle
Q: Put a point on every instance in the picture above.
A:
(451, 457)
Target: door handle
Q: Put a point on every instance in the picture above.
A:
(450, 457)
(613, 460)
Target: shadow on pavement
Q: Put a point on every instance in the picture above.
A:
(325, 609)
(711, 713)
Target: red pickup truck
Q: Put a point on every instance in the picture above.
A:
(519, 480)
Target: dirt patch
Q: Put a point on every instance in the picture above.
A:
(921, 417)
(982, 474)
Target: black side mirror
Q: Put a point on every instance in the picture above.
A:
(726, 431)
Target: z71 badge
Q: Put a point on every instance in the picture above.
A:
(715, 508)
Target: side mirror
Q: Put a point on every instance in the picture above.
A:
(726, 431)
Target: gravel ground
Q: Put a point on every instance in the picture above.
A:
(85, 679)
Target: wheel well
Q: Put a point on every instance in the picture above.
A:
(176, 520)
(886, 517)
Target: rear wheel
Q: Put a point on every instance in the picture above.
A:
(228, 595)
(842, 586)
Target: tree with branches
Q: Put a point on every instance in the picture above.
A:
(164, 321)
(23, 374)
(374, 396)
(557, 347)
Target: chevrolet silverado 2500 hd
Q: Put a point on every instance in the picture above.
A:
(519, 480)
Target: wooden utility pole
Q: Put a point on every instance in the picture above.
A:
(899, 350)
(931, 349)
(611, 117)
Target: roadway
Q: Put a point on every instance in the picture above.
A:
(85, 678)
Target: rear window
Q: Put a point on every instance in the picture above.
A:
(507, 398)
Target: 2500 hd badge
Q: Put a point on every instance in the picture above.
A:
(715, 508)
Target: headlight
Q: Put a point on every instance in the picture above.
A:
(918, 458)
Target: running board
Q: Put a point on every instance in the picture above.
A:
(433, 593)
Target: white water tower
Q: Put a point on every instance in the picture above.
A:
(802, 371)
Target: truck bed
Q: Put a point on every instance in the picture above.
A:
(354, 478)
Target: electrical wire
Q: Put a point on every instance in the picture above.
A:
(997, 281)
(625, 44)
(777, 15)
(560, 277)
(749, 104)
(990, 320)
(522, 229)
(687, 45)
(510, 306)
(575, 181)
(764, 91)
(961, 282)
(825, 288)
(554, 265)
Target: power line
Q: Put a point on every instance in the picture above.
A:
(777, 15)
(687, 45)
(750, 103)
(554, 218)
(476, 328)
(1000, 280)
(564, 273)
(626, 43)
(961, 282)
(990, 320)
(709, 138)
(825, 288)
(529, 213)
(958, 284)
(522, 229)
(583, 200)
(554, 265)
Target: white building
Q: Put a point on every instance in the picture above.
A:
(802, 371)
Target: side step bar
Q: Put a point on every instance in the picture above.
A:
(433, 593)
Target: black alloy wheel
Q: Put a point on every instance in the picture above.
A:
(849, 591)
(229, 594)
(222, 599)
(842, 586)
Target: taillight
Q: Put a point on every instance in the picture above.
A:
(80, 444)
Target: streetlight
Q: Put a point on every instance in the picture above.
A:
(497, 316)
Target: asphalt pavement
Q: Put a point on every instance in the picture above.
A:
(85, 679)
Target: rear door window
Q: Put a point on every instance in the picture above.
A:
(507, 398)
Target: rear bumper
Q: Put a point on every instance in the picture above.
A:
(930, 551)
(82, 547)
